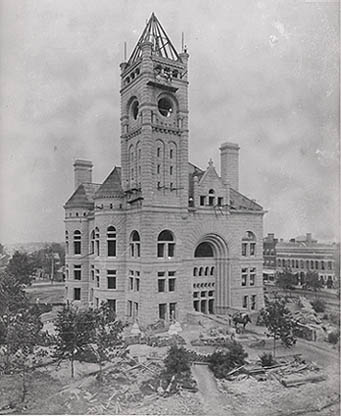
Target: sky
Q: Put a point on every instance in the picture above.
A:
(264, 74)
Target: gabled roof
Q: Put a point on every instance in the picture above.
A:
(162, 46)
(241, 202)
(83, 197)
(111, 187)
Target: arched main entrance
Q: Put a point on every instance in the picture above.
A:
(210, 275)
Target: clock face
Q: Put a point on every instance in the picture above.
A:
(165, 107)
(135, 109)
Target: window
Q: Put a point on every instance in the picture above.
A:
(322, 265)
(136, 309)
(302, 264)
(158, 169)
(212, 271)
(161, 285)
(158, 151)
(162, 310)
(92, 272)
(111, 279)
(97, 240)
(130, 308)
(204, 250)
(171, 154)
(91, 297)
(131, 280)
(111, 241)
(165, 245)
(77, 239)
(244, 249)
(312, 264)
(172, 311)
(207, 270)
(292, 263)
(77, 293)
(245, 302)
(220, 201)
(252, 276)
(330, 266)
(77, 271)
(112, 304)
(135, 244)
(279, 262)
(316, 265)
(137, 285)
(92, 242)
(202, 200)
(244, 276)
(171, 285)
(253, 302)
(252, 249)
(195, 271)
(67, 242)
(171, 170)
(97, 277)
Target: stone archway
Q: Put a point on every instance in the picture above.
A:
(211, 271)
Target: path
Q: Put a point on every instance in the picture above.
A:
(212, 399)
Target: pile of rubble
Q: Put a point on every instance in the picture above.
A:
(212, 337)
(291, 371)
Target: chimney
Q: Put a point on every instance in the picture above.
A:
(83, 172)
(229, 164)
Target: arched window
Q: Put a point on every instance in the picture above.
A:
(212, 271)
(195, 271)
(201, 271)
(135, 244)
(97, 240)
(77, 242)
(92, 242)
(165, 244)
(111, 241)
(207, 271)
(204, 250)
(67, 242)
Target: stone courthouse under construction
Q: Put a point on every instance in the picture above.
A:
(161, 237)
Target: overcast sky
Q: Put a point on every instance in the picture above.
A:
(262, 73)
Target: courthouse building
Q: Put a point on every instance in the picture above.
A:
(161, 237)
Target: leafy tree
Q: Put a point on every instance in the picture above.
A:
(21, 266)
(286, 280)
(222, 362)
(20, 338)
(107, 334)
(75, 330)
(313, 281)
(279, 322)
(12, 296)
(177, 360)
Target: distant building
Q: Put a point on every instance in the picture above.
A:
(161, 237)
(269, 258)
(303, 254)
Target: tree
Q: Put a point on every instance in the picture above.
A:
(286, 280)
(313, 281)
(75, 330)
(21, 266)
(279, 322)
(20, 338)
(12, 295)
(222, 362)
(107, 334)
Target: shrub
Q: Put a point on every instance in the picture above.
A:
(318, 305)
(177, 360)
(333, 337)
(267, 359)
(222, 362)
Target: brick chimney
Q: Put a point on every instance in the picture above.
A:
(229, 164)
(82, 171)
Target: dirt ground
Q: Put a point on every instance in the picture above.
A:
(52, 391)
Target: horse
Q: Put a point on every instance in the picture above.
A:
(241, 318)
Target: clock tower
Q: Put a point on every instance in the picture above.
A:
(154, 121)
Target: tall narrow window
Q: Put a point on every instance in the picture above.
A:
(77, 293)
(253, 302)
(135, 244)
(172, 311)
(162, 310)
(97, 240)
(244, 276)
(92, 242)
(166, 244)
(111, 279)
(244, 249)
(67, 242)
(245, 302)
(97, 278)
(211, 197)
(111, 241)
(252, 276)
(112, 304)
(77, 271)
(77, 242)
